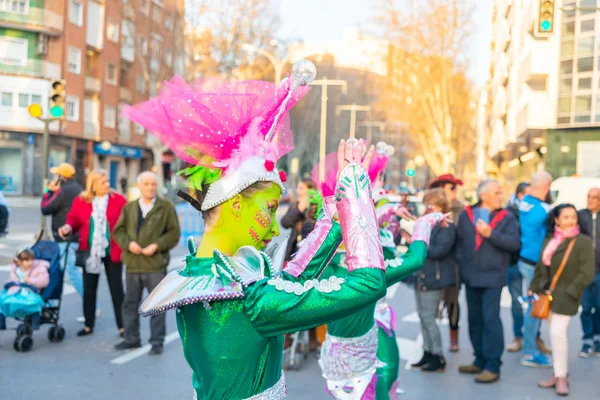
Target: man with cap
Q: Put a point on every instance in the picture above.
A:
(450, 184)
(57, 201)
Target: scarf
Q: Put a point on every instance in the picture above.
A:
(557, 239)
(99, 244)
(500, 215)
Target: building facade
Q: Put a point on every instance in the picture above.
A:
(544, 92)
(109, 53)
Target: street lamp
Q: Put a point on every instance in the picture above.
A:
(353, 108)
(325, 83)
(370, 125)
(278, 64)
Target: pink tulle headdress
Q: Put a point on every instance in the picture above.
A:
(233, 133)
(383, 152)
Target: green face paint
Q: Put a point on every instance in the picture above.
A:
(257, 219)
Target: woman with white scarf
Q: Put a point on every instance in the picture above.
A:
(94, 214)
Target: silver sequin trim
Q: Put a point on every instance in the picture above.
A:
(333, 284)
(348, 358)
(275, 392)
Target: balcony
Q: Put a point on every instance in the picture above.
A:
(92, 85)
(125, 95)
(33, 68)
(34, 20)
(91, 129)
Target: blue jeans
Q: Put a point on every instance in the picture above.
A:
(74, 273)
(531, 325)
(485, 327)
(590, 315)
(515, 288)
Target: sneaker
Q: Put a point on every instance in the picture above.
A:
(541, 346)
(156, 349)
(586, 351)
(469, 369)
(127, 346)
(516, 345)
(536, 360)
(597, 348)
(487, 377)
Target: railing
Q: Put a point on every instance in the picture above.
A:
(125, 95)
(37, 17)
(32, 67)
(92, 84)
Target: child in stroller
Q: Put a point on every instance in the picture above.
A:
(20, 297)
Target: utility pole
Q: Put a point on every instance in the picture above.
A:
(325, 83)
(370, 125)
(353, 108)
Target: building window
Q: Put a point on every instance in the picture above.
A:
(587, 26)
(36, 99)
(6, 99)
(15, 6)
(585, 64)
(145, 7)
(169, 57)
(583, 103)
(156, 14)
(13, 51)
(566, 67)
(568, 29)
(76, 12)
(565, 86)
(111, 74)
(564, 105)
(143, 43)
(566, 49)
(110, 116)
(74, 62)
(582, 118)
(139, 129)
(154, 55)
(169, 23)
(584, 83)
(112, 31)
(72, 108)
(140, 84)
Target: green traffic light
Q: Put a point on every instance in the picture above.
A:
(56, 111)
(546, 25)
(410, 172)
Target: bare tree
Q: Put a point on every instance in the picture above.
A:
(427, 87)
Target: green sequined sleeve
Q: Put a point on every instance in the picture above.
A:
(277, 306)
(400, 267)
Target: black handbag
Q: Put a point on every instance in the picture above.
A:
(81, 257)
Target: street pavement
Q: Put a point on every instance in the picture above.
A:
(89, 367)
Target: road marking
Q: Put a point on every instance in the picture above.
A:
(414, 317)
(133, 354)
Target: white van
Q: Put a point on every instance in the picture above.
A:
(573, 190)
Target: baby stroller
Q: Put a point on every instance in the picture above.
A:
(52, 295)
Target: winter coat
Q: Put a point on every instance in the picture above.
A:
(439, 269)
(577, 275)
(591, 228)
(57, 204)
(79, 221)
(513, 208)
(161, 226)
(294, 220)
(484, 262)
(37, 276)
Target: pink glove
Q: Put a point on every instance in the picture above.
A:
(424, 225)
(358, 221)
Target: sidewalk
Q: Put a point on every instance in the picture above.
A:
(23, 201)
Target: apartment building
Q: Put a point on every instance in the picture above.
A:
(109, 53)
(522, 90)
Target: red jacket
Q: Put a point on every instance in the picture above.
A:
(79, 220)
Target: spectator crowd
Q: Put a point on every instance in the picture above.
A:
(548, 257)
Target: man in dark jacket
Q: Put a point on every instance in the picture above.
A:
(147, 230)
(57, 202)
(515, 280)
(487, 235)
(590, 303)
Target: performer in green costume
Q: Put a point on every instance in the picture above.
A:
(233, 301)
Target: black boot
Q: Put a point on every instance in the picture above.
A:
(436, 363)
(426, 358)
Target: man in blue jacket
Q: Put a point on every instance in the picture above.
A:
(487, 235)
(533, 213)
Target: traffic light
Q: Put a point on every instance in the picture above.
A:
(545, 21)
(410, 172)
(57, 98)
